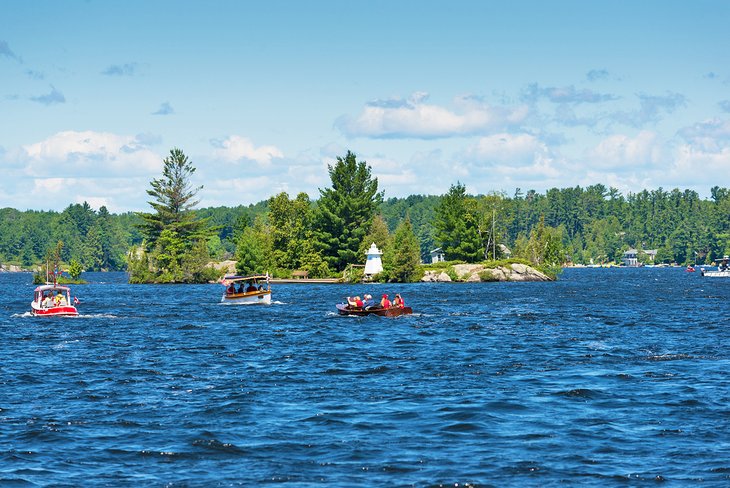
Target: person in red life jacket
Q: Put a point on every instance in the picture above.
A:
(384, 302)
(398, 301)
(355, 302)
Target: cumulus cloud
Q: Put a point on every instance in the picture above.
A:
(121, 194)
(623, 152)
(7, 52)
(51, 98)
(237, 148)
(128, 69)
(517, 150)
(165, 109)
(87, 153)
(415, 118)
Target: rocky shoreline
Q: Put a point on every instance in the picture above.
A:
(474, 273)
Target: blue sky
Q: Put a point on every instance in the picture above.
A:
(262, 96)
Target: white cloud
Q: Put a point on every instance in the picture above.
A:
(508, 149)
(237, 148)
(623, 152)
(88, 153)
(414, 118)
(117, 194)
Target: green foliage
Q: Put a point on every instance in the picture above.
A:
(289, 223)
(345, 211)
(377, 234)
(406, 255)
(594, 224)
(173, 202)
(457, 227)
(544, 247)
(487, 276)
(74, 269)
(175, 238)
(255, 249)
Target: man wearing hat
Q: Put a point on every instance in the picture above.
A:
(384, 302)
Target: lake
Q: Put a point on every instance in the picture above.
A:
(607, 377)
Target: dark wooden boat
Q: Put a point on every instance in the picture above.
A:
(345, 309)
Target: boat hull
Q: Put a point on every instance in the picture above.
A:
(344, 309)
(716, 274)
(255, 298)
(60, 311)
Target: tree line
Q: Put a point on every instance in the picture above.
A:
(326, 236)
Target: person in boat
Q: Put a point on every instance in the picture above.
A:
(231, 289)
(59, 300)
(384, 302)
(47, 301)
(398, 301)
(251, 287)
(355, 302)
(368, 301)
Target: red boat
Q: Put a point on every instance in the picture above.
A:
(53, 300)
(345, 309)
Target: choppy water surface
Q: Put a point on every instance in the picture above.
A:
(606, 377)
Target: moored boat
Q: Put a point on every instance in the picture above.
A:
(345, 309)
(246, 290)
(53, 300)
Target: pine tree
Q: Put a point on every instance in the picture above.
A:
(173, 203)
(457, 226)
(345, 211)
(175, 238)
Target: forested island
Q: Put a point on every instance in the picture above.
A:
(327, 236)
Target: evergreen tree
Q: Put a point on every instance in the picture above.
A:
(456, 226)
(406, 256)
(175, 237)
(345, 211)
(92, 251)
(173, 203)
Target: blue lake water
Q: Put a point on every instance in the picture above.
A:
(608, 377)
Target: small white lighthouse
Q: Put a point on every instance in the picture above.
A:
(374, 264)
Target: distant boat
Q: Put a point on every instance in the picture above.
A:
(690, 269)
(357, 309)
(723, 269)
(53, 300)
(247, 290)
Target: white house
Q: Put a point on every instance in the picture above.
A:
(374, 264)
(437, 255)
(631, 258)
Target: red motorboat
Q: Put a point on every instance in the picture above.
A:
(53, 300)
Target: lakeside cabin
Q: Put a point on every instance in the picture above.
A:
(437, 255)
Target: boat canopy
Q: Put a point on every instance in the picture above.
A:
(64, 289)
(236, 278)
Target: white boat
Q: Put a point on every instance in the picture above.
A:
(246, 290)
(723, 269)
